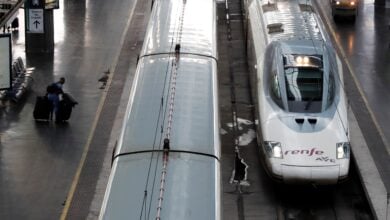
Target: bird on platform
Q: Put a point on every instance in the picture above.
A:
(104, 79)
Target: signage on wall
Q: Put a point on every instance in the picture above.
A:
(34, 13)
(35, 21)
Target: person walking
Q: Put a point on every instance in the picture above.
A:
(59, 85)
(54, 91)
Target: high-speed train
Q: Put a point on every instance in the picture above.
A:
(167, 161)
(297, 84)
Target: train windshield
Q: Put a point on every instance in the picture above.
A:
(304, 83)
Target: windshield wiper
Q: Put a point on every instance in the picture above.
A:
(308, 104)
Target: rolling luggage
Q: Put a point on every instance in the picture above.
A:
(42, 109)
(65, 107)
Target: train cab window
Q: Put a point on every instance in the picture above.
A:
(331, 90)
(304, 83)
(275, 89)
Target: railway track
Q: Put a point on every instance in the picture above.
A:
(248, 193)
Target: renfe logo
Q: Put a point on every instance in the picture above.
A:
(309, 153)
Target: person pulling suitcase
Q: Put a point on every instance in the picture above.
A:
(54, 91)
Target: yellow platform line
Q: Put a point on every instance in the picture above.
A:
(76, 177)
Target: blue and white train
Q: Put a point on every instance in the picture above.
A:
(297, 83)
(167, 161)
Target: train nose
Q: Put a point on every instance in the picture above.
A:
(322, 175)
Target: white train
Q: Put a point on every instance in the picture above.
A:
(167, 161)
(297, 84)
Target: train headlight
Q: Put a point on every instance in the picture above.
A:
(302, 60)
(273, 149)
(299, 60)
(343, 150)
(305, 60)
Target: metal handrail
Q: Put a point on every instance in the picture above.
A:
(12, 11)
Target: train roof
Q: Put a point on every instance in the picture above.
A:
(197, 35)
(195, 124)
(191, 190)
(173, 97)
(291, 20)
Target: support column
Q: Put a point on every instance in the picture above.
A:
(39, 30)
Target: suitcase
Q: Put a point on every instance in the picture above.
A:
(43, 108)
(69, 99)
(65, 107)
